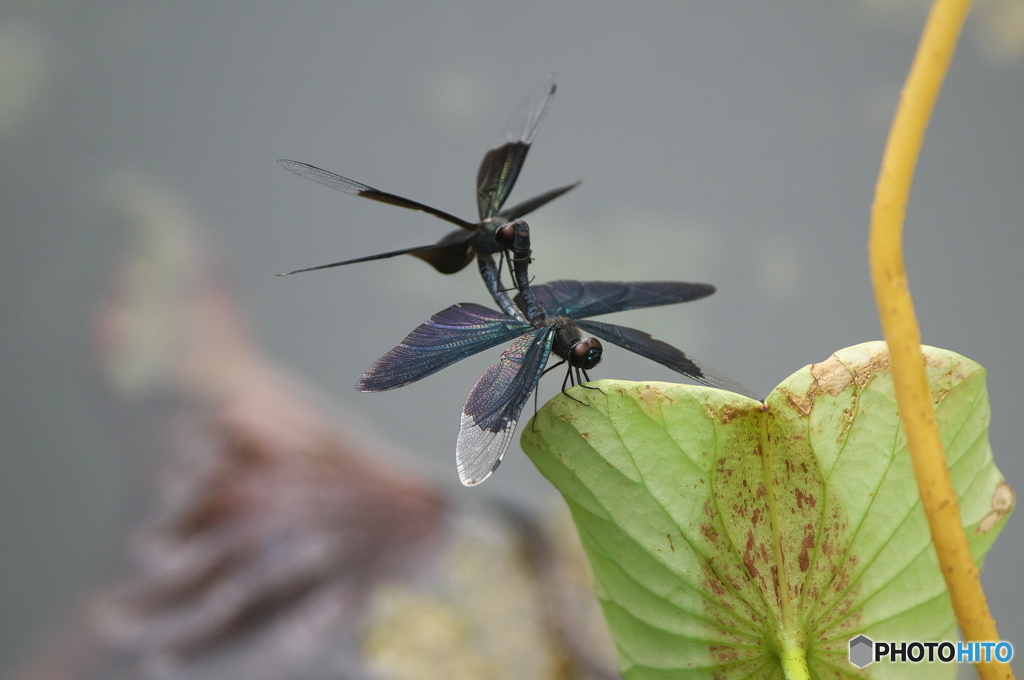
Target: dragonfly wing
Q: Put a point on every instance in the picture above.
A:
(349, 186)
(449, 336)
(492, 409)
(529, 205)
(582, 299)
(500, 166)
(665, 354)
(522, 126)
(422, 252)
(450, 254)
(447, 256)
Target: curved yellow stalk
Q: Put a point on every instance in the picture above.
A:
(900, 328)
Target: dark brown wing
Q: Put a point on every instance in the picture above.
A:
(350, 186)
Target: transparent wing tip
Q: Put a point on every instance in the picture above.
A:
(478, 452)
(474, 481)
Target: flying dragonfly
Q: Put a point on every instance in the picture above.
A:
(492, 233)
(492, 409)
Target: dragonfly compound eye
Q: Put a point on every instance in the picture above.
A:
(506, 235)
(585, 354)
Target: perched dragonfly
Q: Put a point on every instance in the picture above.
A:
(492, 409)
(496, 177)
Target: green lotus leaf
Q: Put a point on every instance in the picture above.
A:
(733, 539)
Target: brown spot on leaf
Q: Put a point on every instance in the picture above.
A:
(831, 376)
(847, 420)
(728, 413)
(877, 364)
(1002, 502)
(801, 497)
(801, 402)
(750, 555)
(804, 559)
(651, 396)
(724, 654)
(840, 615)
(717, 586)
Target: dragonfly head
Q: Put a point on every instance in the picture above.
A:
(585, 354)
(505, 235)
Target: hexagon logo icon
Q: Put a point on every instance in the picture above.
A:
(861, 648)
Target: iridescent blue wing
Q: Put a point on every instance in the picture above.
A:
(500, 166)
(449, 336)
(582, 299)
(349, 186)
(665, 354)
(492, 409)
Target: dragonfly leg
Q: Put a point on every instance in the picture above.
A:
(588, 387)
(533, 420)
(552, 367)
(536, 394)
(569, 378)
(507, 257)
(512, 259)
(501, 266)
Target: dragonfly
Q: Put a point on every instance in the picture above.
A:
(493, 233)
(560, 327)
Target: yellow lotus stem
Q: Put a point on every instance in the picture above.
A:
(899, 326)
